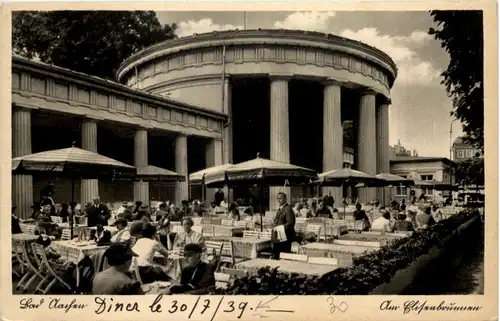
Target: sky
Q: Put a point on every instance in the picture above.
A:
(420, 112)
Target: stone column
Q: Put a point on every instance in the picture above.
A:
(90, 187)
(367, 149)
(141, 189)
(280, 142)
(181, 167)
(213, 158)
(383, 148)
(227, 133)
(332, 135)
(22, 185)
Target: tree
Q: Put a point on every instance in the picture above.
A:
(470, 172)
(92, 42)
(461, 35)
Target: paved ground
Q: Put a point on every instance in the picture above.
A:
(445, 278)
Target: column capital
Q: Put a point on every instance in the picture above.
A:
(16, 106)
(367, 92)
(144, 127)
(281, 76)
(92, 118)
(331, 82)
(385, 101)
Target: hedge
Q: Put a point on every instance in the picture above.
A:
(367, 272)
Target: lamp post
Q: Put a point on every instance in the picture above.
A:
(451, 150)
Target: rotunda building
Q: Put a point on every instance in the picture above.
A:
(312, 99)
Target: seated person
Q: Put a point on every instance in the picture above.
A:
(437, 214)
(115, 280)
(15, 228)
(402, 224)
(234, 212)
(100, 235)
(213, 208)
(335, 214)
(126, 214)
(188, 235)
(146, 247)
(36, 211)
(123, 235)
(382, 223)
(424, 219)
(196, 275)
(323, 210)
(360, 215)
(143, 214)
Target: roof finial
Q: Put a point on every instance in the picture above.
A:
(74, 143)
(258, 155)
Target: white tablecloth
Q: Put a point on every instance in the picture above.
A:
(287, 266)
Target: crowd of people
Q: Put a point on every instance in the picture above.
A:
(144, 234)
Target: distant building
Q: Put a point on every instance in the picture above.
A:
(417, 168)
(461, 150)
(400, 150)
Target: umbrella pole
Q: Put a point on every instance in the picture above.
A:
(261, 206)
(72, 215)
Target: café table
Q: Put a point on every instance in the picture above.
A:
(287, 266)
(244, 247)
(24, 237)
(221, 230)
(74, 251)
(344, 253)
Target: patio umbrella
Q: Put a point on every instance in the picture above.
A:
(152, 173)
(75, 163)
(348, 177)
(341, 177)
(199, 176)
(393, 180)
(263, 172)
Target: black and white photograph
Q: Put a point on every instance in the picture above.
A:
(207, 153)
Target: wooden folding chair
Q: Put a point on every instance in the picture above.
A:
(313, 228)
(251, 234)
(235, 273)
(222, 280)
(208, 231)
(56, 219)
(266, 235)
(17, 257)
(214, 251)
(28, 228)
(43, 261)
(66, 235)
(136, 271)
(293, 257)
(228, 256)
(242, 224)
(33, 271)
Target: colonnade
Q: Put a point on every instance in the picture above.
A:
(372, 155)
(22, 185)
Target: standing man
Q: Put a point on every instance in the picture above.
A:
(219, 197)
(284, 219)
(98, 214)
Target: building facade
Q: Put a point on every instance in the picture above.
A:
(205, 70)
(462, 151)
(52, 107)
(400, 150)
(198, 101)
(436, 169)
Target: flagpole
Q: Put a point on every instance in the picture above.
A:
(244, 20)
